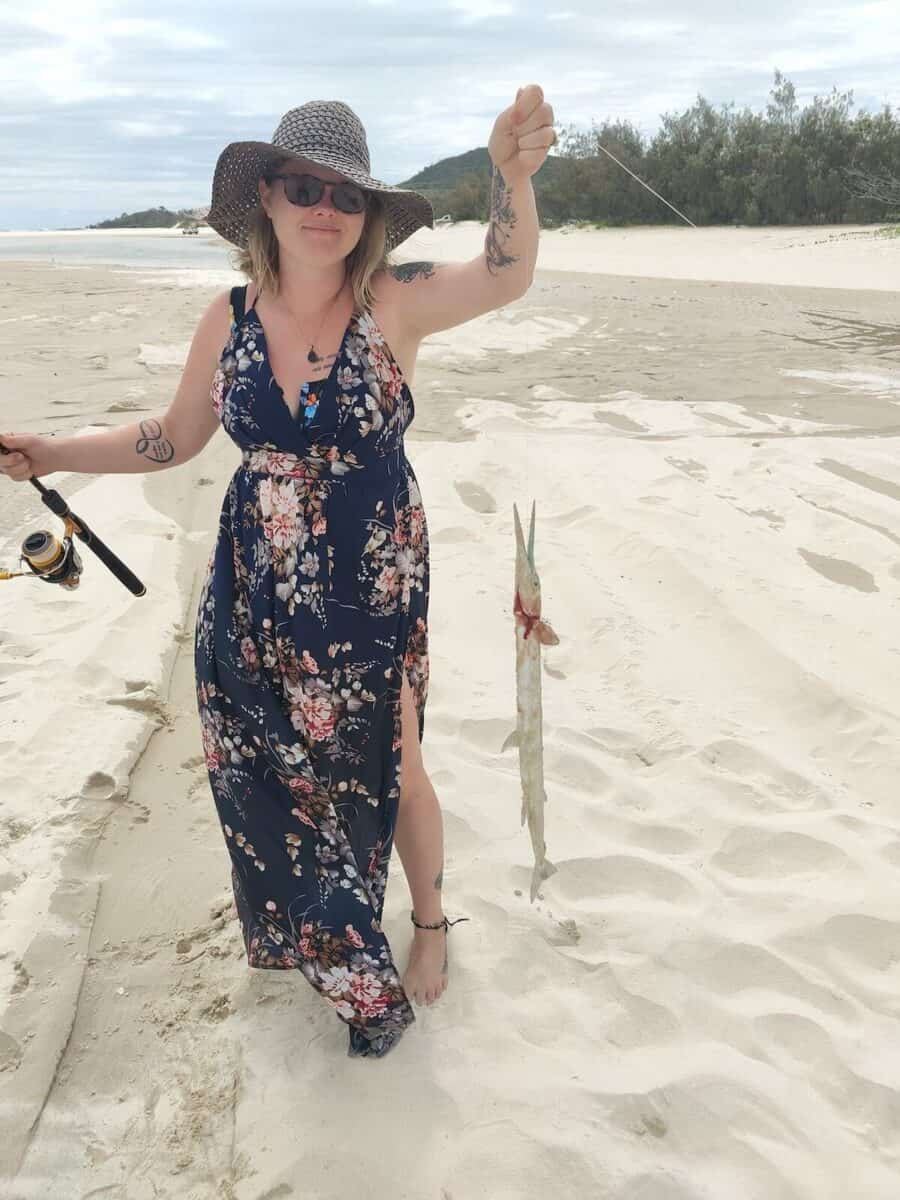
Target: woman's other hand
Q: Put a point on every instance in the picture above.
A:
(29, 455)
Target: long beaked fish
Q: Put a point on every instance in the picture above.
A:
(532, 631)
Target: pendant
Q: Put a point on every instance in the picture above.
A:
(312, 356)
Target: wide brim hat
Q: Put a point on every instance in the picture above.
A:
(327, 133)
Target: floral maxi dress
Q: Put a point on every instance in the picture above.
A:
(314, 604)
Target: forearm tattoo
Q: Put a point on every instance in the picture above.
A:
(152, 444)
(405, 272)
(503, 221)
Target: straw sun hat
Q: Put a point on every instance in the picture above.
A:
(327, 133)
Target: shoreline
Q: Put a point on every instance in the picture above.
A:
(857, 258)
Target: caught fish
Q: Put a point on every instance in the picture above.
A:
(531, 633)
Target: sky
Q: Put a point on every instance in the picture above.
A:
(113, 107)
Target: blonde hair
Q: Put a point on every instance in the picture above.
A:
(259, 261)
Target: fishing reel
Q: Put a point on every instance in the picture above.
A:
(49, 558)
(55, 560)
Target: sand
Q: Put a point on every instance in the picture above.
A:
(702, 1002)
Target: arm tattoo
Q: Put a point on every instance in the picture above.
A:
(152, 444)
(440, 879)
(405, 272)
(503, 221)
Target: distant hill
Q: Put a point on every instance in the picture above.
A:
(155, 218)
(449, 172)
(460, 186)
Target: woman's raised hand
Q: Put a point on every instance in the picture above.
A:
(522, 134)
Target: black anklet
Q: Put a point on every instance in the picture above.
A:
(444, 924)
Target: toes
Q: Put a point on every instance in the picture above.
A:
(419, 994)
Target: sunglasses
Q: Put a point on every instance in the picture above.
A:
(307, 190)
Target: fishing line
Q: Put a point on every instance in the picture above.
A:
(647, 186)
(778, 290)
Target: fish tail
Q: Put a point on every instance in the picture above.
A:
(542, 870)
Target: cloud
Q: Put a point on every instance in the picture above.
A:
(130, 111)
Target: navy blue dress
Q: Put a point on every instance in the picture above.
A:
(314, 604)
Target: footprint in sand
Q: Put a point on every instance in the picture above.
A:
(620, 879)
(11, 1052)
(690, 466)
(100, 786)
(476, 497)
(773, 786)
(868, 946)
(773, 855)
(659, 1186)
(487, 734)
(575, 515)
(217, 1009)
(662, 839)
(638, 1021)
(840, 570)
(628, 744)
(452, 535)
(743, 967)
(803, 1049)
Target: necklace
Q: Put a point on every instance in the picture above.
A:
(312, 356)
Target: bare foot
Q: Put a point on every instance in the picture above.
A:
(425, 977)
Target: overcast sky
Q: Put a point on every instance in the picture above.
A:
(112, 107)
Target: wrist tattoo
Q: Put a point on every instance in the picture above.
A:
(405, 272)
(152, 444)
(503, 221)
(440, 879)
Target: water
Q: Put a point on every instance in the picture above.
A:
(107, 247)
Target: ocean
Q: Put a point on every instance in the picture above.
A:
(152, 248)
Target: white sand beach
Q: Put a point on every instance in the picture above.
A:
(703, 1000)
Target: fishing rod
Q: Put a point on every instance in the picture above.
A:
(57, 561)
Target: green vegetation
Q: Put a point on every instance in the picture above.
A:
(784, 167)
(718, 167)
(156, 218)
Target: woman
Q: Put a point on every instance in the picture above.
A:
(311, 647)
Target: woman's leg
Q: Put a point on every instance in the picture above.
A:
(419, 840)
